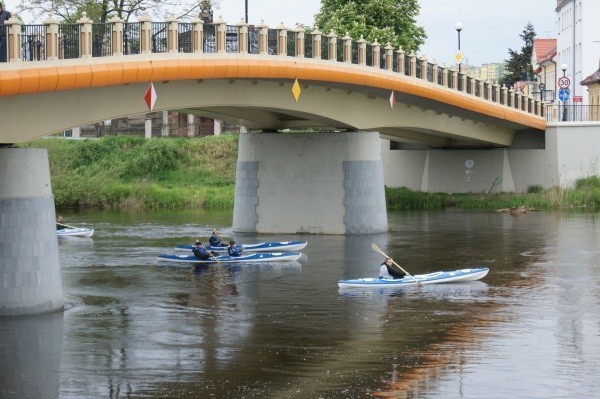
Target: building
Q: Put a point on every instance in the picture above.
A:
(493, 72)
(593, 84)
(543, 60)
(578, 41)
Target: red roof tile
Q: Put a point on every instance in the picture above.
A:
(544, 49)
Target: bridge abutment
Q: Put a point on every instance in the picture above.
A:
(30, 278)
(316, 183)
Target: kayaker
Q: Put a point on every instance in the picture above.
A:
(387, 271)
(234, 250)
(215, 240)
(59, 224)
(201, 252)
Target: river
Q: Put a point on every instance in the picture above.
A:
(132, 328)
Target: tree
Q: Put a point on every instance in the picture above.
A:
(382, 20)
(102, 10)
(518, 64)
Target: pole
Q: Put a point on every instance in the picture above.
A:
(564, 118)
(246, 1)
(460, 63)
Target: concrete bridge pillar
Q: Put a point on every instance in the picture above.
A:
(30, 279)
(318, 183)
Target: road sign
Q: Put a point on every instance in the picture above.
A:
(564, 95)
(577, 99)
(564, 82)
(458, 57)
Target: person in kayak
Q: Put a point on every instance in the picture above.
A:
(201, 253)
(215, 240)
(234, 250)
(387, 271)
(59, 223)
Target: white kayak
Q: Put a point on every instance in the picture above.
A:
(75, 232)
(250, 258)
(431, 278)
(277, 246)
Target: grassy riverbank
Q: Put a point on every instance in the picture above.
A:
(132, 172)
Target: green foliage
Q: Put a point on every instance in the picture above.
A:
(386, 21)
(534, 189)
(518, 64)
(588, 183)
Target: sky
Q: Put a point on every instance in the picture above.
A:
(490, 28)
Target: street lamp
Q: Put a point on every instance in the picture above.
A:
(564, 69)
(458, 26)
(246, 2)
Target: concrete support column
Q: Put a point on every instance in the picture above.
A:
(191, 125)
(318, 183)
(217, 128)
(165, 124)
(76, 132)
(29, 270)
(148, 127)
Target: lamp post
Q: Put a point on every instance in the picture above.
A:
(564, 69)
(458, 26)
(246, 3)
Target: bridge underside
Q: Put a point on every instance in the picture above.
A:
(261, 105)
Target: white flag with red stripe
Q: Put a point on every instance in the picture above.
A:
(392, 100)
(150, 97)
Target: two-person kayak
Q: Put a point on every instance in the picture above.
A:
(249, 258)
(278, 246)
(430, 278)
(75, 232)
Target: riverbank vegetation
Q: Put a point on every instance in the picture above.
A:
(131, 172)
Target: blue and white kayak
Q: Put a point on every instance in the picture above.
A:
(279, 246)
(249, 258)
(431, 278)
(75, 232)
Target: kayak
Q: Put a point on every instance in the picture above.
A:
(250, 258)
(431, 278)
(283, 246)
(75, 232)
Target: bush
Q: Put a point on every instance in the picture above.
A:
(535, 189)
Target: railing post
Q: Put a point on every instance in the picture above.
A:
(198, 34)
(347, 48)
(242, 37)
(116, 35)
(400, 60)
(413, 64)
(504, 97)
(434, 72)
(332, 46)
(389, 57)
(496, 96)
(13, 41)
(221, 35)
(263, 38)
(145, 34)
(474, 86)
(539, 108)
(376, 54)
(454, 79)
(281, 39)
(172, 34)
(51, 38)
(487, 89)
(316, 43)
(299, 32)
(481, 85)
(85, 36)
(463, 81)
(362, 51)
(517, 103)
(423, 61)
(444, 75)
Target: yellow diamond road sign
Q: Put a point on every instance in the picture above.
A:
(296, 90)
(458, 57)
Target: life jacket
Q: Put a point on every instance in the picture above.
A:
(235, 250)
(214, 241)
(201, 253)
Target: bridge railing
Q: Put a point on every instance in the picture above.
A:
(53, 40)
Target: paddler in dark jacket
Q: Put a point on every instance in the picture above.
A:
(234, 250)
(215, 240)
(201, 252)
(387, 271)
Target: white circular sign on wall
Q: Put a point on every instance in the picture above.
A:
(469, 164)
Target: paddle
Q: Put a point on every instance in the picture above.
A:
(66, 225)
(377, 249)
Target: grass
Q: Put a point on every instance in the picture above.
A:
(131, 172)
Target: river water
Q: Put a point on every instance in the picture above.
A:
(132, 328)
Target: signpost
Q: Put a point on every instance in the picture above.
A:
(564, 95)
(577, 99)
(564, 82)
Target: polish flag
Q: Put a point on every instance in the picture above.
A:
(150, 96)
(392, 100)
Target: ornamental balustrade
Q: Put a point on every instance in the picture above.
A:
(52, 40)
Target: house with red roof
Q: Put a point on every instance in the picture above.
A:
(543, 62)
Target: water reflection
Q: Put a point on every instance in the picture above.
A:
(132, 329)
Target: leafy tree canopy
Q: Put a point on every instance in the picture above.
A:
(382, 20)
(518, 64)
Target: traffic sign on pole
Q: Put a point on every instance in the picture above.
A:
(564, 82)
(564, 95)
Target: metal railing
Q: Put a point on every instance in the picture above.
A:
(572, 113)
(86, 39)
